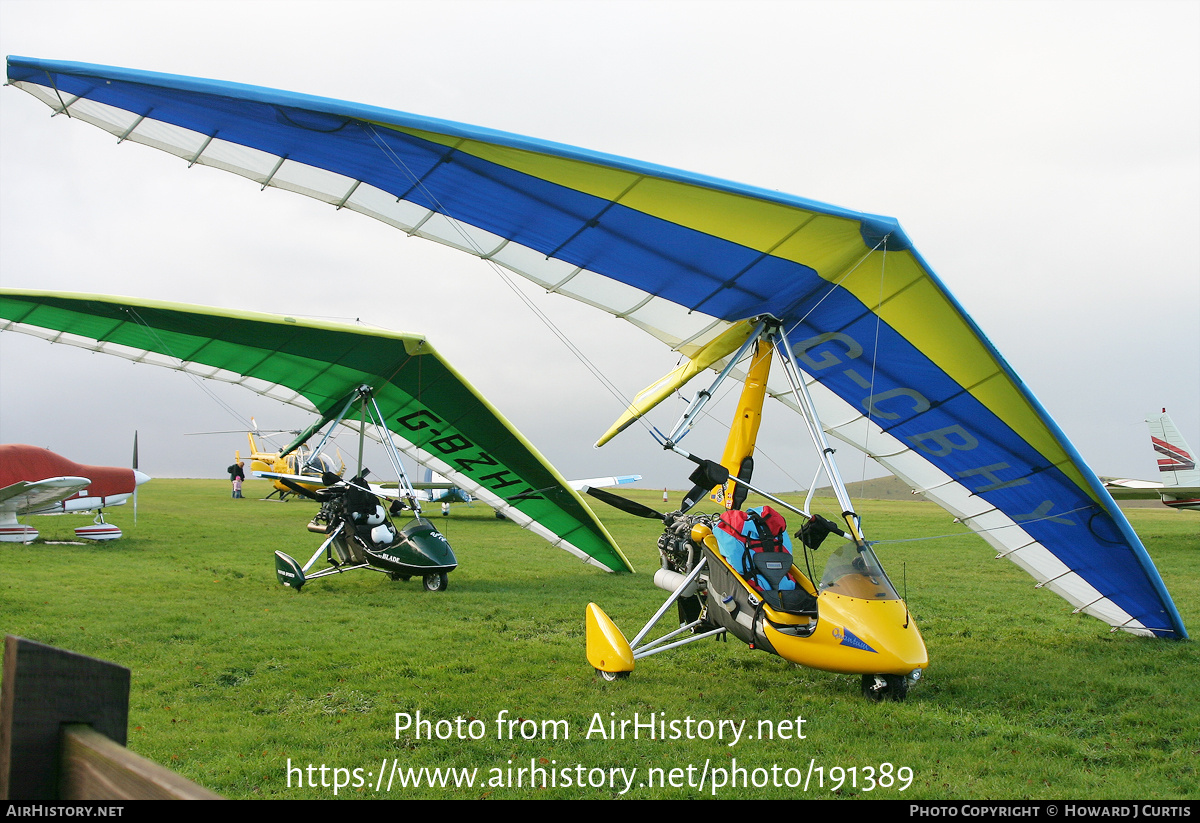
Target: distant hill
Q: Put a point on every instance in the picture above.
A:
(881, 488)
(893, 488)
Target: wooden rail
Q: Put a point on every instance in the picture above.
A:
(63, 724)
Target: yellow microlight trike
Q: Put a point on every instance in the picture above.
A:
(735, 573)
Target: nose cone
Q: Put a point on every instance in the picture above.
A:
(140, 477)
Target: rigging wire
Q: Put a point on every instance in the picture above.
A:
(202, 383)
(758, 449)
(418, 183)
(833, 285)
(972, 530)
(196, 379)
(470, 242)
(874, 358)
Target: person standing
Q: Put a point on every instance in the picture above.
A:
(236, 475)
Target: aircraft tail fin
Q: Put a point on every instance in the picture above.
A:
(1176, 460)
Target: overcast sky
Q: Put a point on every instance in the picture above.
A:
(1043, 157)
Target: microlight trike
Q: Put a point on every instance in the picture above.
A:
(358, 526)
(735, 573)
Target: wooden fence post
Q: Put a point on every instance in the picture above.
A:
(44, 688)
(45, 691)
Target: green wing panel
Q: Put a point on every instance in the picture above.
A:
(428, 405)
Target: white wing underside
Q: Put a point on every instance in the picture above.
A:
(25, 497)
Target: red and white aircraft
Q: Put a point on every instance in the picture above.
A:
(1180, 487)
(38, 481)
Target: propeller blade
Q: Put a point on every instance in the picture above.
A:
(296, 488)
(693, 497)
(135, 465)
(741, 491)
(708, 473)
(624, 504)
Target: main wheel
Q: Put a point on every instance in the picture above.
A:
(611, 677)
(892, 687)
(435, 582)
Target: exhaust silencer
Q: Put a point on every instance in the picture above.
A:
(669, 581)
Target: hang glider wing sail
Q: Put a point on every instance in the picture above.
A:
(436, 415)
(897, 368)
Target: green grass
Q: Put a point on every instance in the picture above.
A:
(233, 675)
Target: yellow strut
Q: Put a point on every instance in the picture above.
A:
(744, 432)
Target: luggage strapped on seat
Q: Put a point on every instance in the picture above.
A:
(757, 545)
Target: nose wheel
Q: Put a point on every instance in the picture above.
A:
(880, 687)
(435, 582)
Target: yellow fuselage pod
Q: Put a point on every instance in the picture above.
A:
(856, 636)
(743, 434)
(853, 634)
(607, 648)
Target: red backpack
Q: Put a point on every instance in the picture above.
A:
(757, 545)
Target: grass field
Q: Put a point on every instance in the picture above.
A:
(235, 676)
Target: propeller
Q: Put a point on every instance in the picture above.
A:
(708, 473)
(626, 505)
(296, 488)
(741, 490)
(328, 479)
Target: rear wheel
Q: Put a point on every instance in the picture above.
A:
(435, 582)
